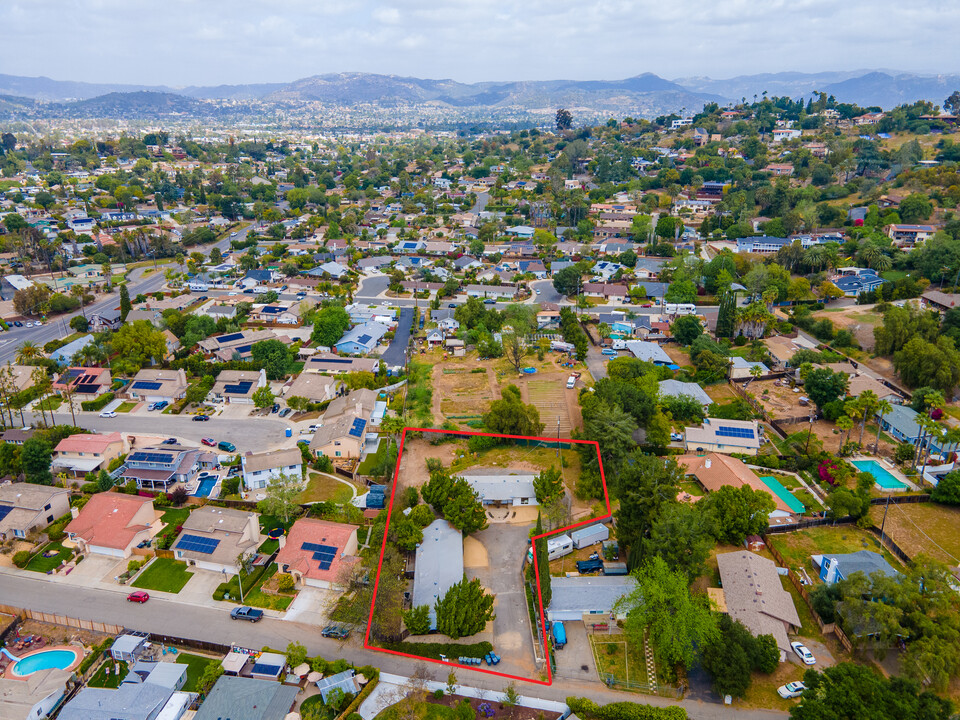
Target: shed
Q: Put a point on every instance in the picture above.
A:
(268, 666)
(127, 648)
(590, 535)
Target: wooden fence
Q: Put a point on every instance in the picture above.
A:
(65, 620)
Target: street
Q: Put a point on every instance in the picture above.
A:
(24, 589)
(396, 354)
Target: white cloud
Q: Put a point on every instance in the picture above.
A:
(179, 42)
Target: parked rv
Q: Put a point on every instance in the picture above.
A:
(557, 547)
(590, 535)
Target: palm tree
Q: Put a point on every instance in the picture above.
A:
(883, 407)
(27, 351)
(845, 423)
(866, 406)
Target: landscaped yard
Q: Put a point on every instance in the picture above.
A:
(195, 667)
(257, 598)
(44, 564)
(620, 658)
(165, 575)
(102, 679)
(126, 407)
(322, 487)
(925, 528)
(50, 403)
(797, 547)
(174, 517)
(374, 459)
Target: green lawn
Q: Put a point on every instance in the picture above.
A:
(371, 461)
(111, 681)
(257, 598)
(423, 711)
(174, 517)
(322, 488)
(268, 522)
(797, 547)
(810, 502)
(45, 564)
(165, 575)
(50, 403)
(269, 546)
(620, 658)
(195, 667)
(126, 407)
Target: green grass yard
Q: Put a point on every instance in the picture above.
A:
(174, 517)
(195, 667)
(44, 564)
(797, 547)
(112, 681)
(164, 575)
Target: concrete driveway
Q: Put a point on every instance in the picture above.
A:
(312, 606)
(505, 546)
(396, 353)
(199, 589)
(575, 661)
(96, 568)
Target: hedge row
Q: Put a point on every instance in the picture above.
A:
(98, 404)
(435, 650)
(94, 656)
(587, 709)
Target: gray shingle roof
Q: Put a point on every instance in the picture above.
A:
(233, 698)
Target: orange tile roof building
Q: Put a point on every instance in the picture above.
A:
(112, 523)
(313, 567)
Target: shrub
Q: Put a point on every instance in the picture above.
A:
(437, 694)
(162, 500)
(904, 453)
(285, 582)
(179, 496)
(98, 404)
(21, 558)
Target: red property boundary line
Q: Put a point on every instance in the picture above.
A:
(536, 569)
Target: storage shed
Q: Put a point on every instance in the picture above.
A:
(590, 535)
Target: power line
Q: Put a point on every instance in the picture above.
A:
(934, 542)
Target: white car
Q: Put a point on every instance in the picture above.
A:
(29, 324)
(805, 655)
(108, 414)
(232, 294)
(791, 690)
(537, 290)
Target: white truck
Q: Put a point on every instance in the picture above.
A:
(571, 382)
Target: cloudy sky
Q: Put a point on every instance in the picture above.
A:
(208, 42)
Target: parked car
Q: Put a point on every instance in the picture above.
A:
(170, 441)
(209, 442)
(226, 446)
(138, 597)
(791, 690)
(108, 414)
(246, 613)
(451, 305)
(801, 650)
(336, 632)
(609, 351)
(488, 301)
(18, 323)
(285, 412)
(275, 408)
(151, 407)
(201, 418)
(161, 405)
(537, 291)
(675, 436)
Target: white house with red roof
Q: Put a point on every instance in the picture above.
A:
(318, 552)
(86, 452)
(112, 523)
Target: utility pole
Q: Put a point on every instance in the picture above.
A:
(809, 433)
(884, 521)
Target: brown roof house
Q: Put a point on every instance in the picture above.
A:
(86, 452)
(314, 387)
(212, 538)
(754, 595)
(715, 470)
(112, 523)
(26, 506)
(344, 429)
(156, 384)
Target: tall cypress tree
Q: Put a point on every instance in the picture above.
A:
(543, 565)
(726, 315)
(125, 305)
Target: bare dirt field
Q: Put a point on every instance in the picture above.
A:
(720, 393)
(680, 356)
(923, 529)
(549, 394)
(858, 319)
(780, 401)
(413, 461)
(460, 393)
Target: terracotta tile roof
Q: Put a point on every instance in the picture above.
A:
(715, 470)
(88, 443)
(309, 530)
(106, 519)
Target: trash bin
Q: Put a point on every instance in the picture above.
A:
(288, 432)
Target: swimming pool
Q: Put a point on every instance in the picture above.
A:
(883, 477)
(61, 658)
(205, 487)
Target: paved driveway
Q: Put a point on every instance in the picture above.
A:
(396, 353)
(312, 606)
(96, 568)
(575, 661)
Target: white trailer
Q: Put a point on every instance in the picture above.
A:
(198, 286)
(590, 535)
(561, 346)
(557, 547)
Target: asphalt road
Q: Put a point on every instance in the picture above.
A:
(480, 205)
(547, 292)
(396, 353)
(255, 434)
(213, 624)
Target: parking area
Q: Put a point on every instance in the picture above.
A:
(575, 660)
(312, 606)
(96, 568)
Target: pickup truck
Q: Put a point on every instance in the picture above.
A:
(246, 613)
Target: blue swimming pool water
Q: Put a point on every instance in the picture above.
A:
(206, 486)
(883, 476)
(45, 660)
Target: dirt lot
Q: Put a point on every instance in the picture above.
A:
(548, 392)
(457, 391)
(680, 356)
(779, 400)
(721, 393)
(923, 528)
(413, 461)
(858, 319)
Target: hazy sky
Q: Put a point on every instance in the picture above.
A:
(208, 42)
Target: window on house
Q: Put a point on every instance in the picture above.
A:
(19, 533)
(338, 453)
(50, 518)
(47, 506)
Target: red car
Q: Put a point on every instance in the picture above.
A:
(138, 597)
(209, 442)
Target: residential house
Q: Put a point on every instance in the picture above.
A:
(438, 565)
(907, 236)
(83, 383)
(607, 291)
(26, 506)
(17, 436)
(161, 468)
(247, 698)
(35, 697)
(861, 382)
(900, 422)
(315, 388)
(502, 292)
(129, 701)
(112, 523)
(410, 247)
(279, 314)
(260, 469)
(853, 280)
(361, 313)
(761, 244)
(648, 352)
(237, 386)
(345, 682)
(86, 452)
(783, 134)
(782, 349)
(520, 231)
(445, 319)
(740, 368)
(343, 433)
(362, 339)
(839, 566)
(675, 388)
(318, 553)
(754, 595)
(589, 598)
(153, 385)
(466, 263)
(171, 343)
(725, 436)
(651, 290)
(237, 345)
(374, 263)
(508, 490)
(332, 364)
(105, 319)
(18, 377)
(65, 354)
(715, 470)
(213, 538)
(932, 299)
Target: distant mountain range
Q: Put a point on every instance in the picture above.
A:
(644, 95)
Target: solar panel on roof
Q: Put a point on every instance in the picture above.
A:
(86, 389)
(735, 432)
(324, 554)
(229, 338)
(75, 372)
(332, 360)
(240, 388)
(363, 339)
(5, 510)
(144, 385)
(356, 430)
(198, 544)
(264, 669)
